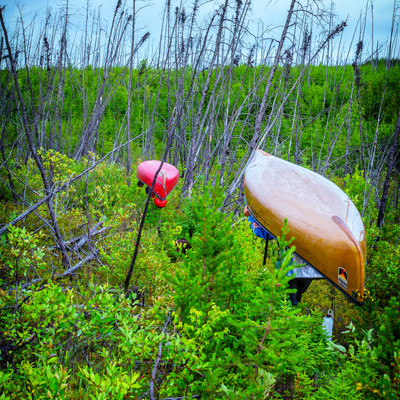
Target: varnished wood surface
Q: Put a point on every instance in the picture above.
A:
(327, 227)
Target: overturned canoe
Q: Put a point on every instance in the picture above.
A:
(328, 230)
(167, 177)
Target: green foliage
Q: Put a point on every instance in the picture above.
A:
(234, 333)
(21, 256)
(324, 105)
(384, 271)
(370, 363)
(112, 382)
(213, 267)
(241, 316)
(45, 379)
(60, 327)
(362, 193)
(374, 82)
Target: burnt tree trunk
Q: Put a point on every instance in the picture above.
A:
(390, 165)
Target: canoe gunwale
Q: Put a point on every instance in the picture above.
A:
(354, 300)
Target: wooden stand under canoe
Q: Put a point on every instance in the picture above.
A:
(328, 230)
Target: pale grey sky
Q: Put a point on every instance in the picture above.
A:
(270, 13)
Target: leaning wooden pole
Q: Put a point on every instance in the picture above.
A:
(139, 235)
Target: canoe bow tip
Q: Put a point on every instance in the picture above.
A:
(343, 226)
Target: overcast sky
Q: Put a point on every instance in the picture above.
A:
(271, 14)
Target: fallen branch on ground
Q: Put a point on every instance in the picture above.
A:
(154, 372)
(57, 277)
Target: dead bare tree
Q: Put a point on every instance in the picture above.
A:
(143, 217)
(89, 136)
(358, 87)
(128, 125)
(36, 157)
(61, 188)
(187, 92)
(390, 165)
(199, 121)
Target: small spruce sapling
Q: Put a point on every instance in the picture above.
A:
(212, 271)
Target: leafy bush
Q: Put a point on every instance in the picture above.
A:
(240, 316)
(216, 323)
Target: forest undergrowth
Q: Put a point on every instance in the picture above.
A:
(211, 323)
(97, 299)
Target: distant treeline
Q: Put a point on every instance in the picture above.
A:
(355, 97)
(328, 118)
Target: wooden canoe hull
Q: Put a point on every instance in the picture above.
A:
(167, 178)
(328, 229)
